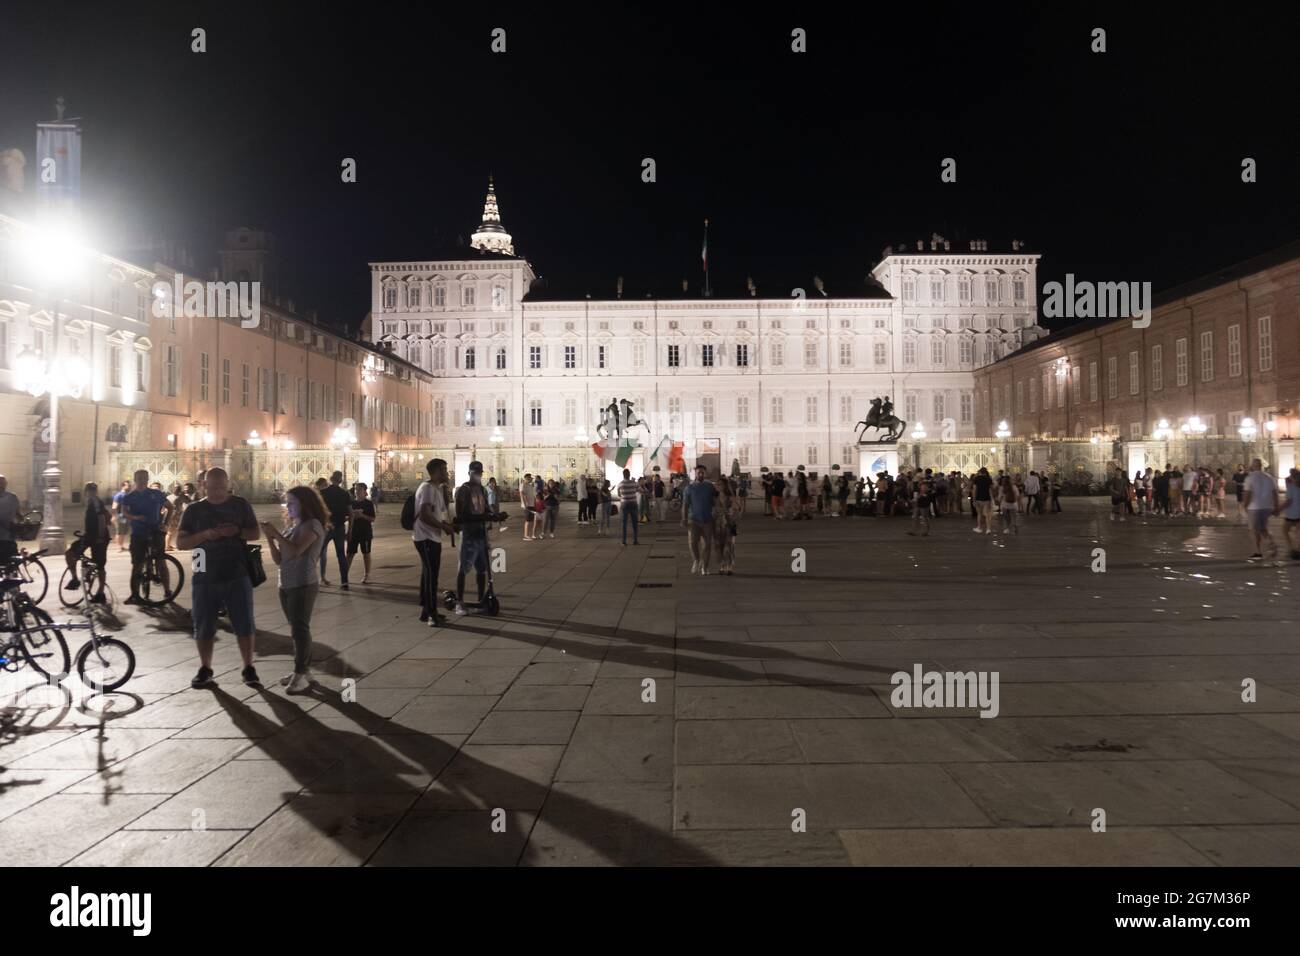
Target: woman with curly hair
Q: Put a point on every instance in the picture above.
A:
(296, 551)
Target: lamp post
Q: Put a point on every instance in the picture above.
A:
(918, 433)
(343, 439)
(60, 376)
(1003, 433)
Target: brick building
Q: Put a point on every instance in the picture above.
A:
(1222, 348)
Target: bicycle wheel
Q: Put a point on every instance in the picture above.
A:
(161, 581)
(73, 598)
(105, 663)
(42, 643)
(36, 578)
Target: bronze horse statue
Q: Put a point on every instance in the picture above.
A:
(882, 417)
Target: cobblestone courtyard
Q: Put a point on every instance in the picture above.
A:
(1119, 690)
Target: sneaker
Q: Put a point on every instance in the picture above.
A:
(300, 684)
(133, 599)
(72, 585)
(438, 620)
(203, 678)
(326, 583)
(695, 567)
(704, 572)
(1256, 557)
(424, 619)
(287, 679)
(551, 535)
(365, 579)
(343, 586)
(460, 609)
(98, 599)
(249, 675)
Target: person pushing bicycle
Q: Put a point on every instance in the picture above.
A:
(147, 509)
(95, 536)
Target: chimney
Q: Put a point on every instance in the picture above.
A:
(620, 287)
(749, 284)
(685, 286)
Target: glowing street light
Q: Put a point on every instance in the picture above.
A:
(1004, 431)
(343, 438)
(1247, 429)
(1163, 432)
(918, 432)
(1194, 426)
(254, 439)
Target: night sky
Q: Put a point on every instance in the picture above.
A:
(1116, 166)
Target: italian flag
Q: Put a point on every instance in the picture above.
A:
(670, 453)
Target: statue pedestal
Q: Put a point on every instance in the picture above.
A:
(873, 459)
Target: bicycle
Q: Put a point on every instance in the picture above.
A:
(31, 635)
(26, 568)
(86, 570)
(103, 663)
(163, 575)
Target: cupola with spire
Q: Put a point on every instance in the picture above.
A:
(491, 236)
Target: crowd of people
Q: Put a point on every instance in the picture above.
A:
(206, 518)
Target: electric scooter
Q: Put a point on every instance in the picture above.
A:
(489, 604)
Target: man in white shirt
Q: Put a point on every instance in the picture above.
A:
(431, 523)
(1260, 500)
(528, 504)
(581, 492)
(1032, 488)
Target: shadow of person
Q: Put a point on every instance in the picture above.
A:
(376, 769)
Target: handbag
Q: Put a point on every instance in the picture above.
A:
(253, 561)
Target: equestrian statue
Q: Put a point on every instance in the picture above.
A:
(881, 417)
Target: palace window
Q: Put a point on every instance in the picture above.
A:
(778, 354)
(706, 356)
(742, 355)
(936, 351)
(471, 362)
(706, 409)
(879, 353)
(1112, 377)
(778, 410)
(534, 356)
(570, 356)
(846, 409)
(1134, 374)
(810, 410)
(501, 412)
(742, 410)
(674, 356)
(1157, 368)
(1265, 343)
(501, 359)
(909, 351)
(535, 412)
(1234, 350)
(846, 353)
(1207, 356)
(413, 297)
(467, 296)
(1180, 362)
(967, 411)
(810, 354)
(440, 296)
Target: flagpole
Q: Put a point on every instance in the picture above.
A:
(706, 258)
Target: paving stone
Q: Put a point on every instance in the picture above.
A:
(159, 848)
(736, 742)
(618, 748)
(236, 796)
(456, 838)
(167, 767)
(833, 796)
(536, 697)
(41, 835)
(516, 777)
(1020, 846)
(522, 727)
(611, 695)
(1150, 793)
(326, 829)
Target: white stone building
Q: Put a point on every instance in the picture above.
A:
(778, 380)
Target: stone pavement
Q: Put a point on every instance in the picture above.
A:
(1119, 690)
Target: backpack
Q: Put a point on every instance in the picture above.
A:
(408, 513)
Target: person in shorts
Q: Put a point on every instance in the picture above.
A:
(1261, 504)
(95, 538)
(472, 518)
(1291, 514)
(217, 529)
(361, 528)
(121, 526)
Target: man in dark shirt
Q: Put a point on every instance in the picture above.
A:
(982, 496)
(94, 536)
(472, 517)
(339, 503)
(362, 532)
(216, 530)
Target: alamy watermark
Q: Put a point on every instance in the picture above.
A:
(193, 299)
(950, 689)
(1098, 300)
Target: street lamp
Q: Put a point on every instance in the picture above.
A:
(1163, 432)
(254, 439)
(1003, 433)
(1247, 429)
(58, 377)
(342, 439)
